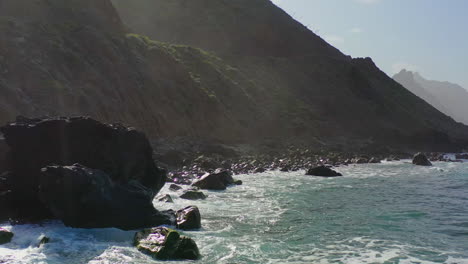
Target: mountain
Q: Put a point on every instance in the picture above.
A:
(233, 72)
(313, 89)
(449, 98)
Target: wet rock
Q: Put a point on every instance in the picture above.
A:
(5, 236)
(238, 182)
(122, 153)
(174, 187)
(421, 160)
(360, 160)
(88, 198)
(285, 168)
(259, 170)
(193, 195)
(323, 171)
(214, 181)
(165, 198)
(43, 240)
(374, 160)
(188, 218)
(163, 243)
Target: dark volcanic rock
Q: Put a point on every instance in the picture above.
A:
(88, 198)
(43, 240)
(214, 181)
(122, 155)
(174, 187)
(193, 195)
(165, 198)
(166, 244)
(188, 218)
(421, 159)
(5, 236)
(259, 170)
(323, 171)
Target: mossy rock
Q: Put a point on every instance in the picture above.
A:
(166, 244)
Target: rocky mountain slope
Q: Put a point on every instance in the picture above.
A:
(449, 98)
(311, 88)
(237, 71)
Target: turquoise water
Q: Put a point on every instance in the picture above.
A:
(385, 213)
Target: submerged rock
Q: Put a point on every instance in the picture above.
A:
(5, 236)
(421, 160)
(165, 198)
(119, 160)
(43, 240)
(166, 244)
(323, 171)
(188, 218)
(193, 195)
(87, 198)
(174, 187)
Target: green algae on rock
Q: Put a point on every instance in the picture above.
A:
(165, 244)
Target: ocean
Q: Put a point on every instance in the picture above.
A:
(393, 212)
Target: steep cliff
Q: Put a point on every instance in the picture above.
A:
(449, 98)
(309, 87)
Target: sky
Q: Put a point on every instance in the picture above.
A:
(427, 36)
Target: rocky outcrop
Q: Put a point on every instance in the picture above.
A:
(421, 160)
(163, 243)
(113, 185)
(218, 180)
(88, 198)
(188, 218)
(5, 236)
(323, 171)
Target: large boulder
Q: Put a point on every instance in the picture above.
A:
(421, 160)
(165, 244)
(123, 154)
(188, 218)
(323, 171)
(5, 236)
(218, 180)
(88, 198)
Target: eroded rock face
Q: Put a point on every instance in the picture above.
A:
(114, 157)
(88, 198)
(5, 236)
(323, 171)
(188, 218)
(421, 160)
(166, 244)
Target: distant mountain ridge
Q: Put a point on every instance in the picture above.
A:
(449, 98)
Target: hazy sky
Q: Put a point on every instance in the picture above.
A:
(429, 36)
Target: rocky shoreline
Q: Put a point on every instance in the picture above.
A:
(93, 175)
